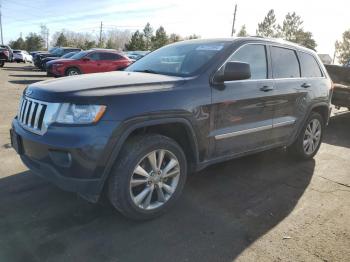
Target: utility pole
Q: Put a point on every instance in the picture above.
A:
(47, 38)
(100, 40)
(2, 37)
(234, 21)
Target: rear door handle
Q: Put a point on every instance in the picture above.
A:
(306, 85)
(267, 88)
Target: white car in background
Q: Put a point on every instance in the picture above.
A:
(22, 56)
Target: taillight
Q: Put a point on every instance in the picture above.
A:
(7, 53)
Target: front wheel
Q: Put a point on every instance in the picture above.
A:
(148, 177)
(2, 63)
(310, 137)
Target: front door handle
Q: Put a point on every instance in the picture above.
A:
(306, 85)
(267, 88)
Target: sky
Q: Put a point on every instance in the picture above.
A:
(327, 20)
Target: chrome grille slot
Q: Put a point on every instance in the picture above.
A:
(31, 115)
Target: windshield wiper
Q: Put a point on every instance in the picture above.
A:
(150, 71)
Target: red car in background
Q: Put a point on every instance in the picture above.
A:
(85, 62)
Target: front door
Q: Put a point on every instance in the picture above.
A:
(242, 117)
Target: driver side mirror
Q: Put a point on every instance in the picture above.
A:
(233, 71)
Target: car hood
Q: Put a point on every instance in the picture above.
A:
(50, 58)
(42, 55)
(94, 86)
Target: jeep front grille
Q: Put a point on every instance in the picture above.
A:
(31, 114)
(35, 116)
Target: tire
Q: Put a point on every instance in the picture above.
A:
(135, 201)
(72, 71)
(2, 63)
(308, 134)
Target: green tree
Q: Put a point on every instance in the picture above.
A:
(136, 42)
(268, 27)
(110, 44)
(34, 42)
(293, 31)
(61, 40)
(18, 44)
(160, 39)
(343, 48)
(148, 33)
(242, 31)
(89, 44)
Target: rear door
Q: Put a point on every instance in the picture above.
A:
(242, 121)
(110, 61)
(290, 100)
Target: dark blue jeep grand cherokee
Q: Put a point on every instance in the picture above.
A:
(137, 133)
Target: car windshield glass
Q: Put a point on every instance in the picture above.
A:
(181, 59)
(57, 51)
(68, 55)
(79, 55)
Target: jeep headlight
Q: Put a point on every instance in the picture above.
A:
(80, 114)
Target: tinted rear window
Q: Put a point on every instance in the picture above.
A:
(110, 56)
(309, 66)
(284, 63)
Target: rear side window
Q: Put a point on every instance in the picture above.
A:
(309, 66)
(110, 56)
(284, 63)
(255, 56)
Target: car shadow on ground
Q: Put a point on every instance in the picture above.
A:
(25, 82)
(43, 75)
(338, 130)
(28, 68)
(223, 210)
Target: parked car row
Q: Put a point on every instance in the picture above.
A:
(85, 62)
(22, 56)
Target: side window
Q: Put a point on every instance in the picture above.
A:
(284, 63)
(109, 56)
(309, 66)
(94, 56)
(255, 56)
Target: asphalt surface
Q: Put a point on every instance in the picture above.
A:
(265, 207)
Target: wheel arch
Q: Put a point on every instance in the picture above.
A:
(181, 126)
(322, 108)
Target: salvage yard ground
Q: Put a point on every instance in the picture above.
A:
(265, 207)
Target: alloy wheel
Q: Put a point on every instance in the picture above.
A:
(154, 179)
(312, 136)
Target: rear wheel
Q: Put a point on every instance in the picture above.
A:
(148, 177)
(310, 137)
(73, 71)
(2, 63)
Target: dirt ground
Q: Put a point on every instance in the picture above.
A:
(265, 207)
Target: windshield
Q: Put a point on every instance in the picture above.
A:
(68, 55)
(57, 51)
(182, 59)
(79, 55)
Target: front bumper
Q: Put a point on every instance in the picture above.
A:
(71, 157)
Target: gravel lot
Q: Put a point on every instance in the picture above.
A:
(265, 207)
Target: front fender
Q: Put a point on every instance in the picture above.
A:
(124, 130)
